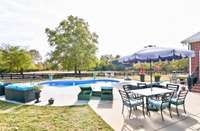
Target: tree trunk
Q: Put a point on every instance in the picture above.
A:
(75, 69)
(22, 72)
(79, 73)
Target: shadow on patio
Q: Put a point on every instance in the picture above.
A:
(154, 122)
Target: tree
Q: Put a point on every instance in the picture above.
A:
(15, 59)
(36, 57)
(105, 62)
(2, 62)
(74, 45)
(167, 66)
(110, 62)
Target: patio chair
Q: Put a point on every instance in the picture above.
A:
(179, 100)
(106, 93)
(86, 92)
(173, 87)
(131, 102)
(161, 104)
(155, 84)
(141, 85)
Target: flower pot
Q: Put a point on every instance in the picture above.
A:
(142, 78)
(51, 101)
(37, 96)
(157, 78)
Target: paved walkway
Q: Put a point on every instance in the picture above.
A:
(110, 111)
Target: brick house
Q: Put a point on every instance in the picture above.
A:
(193, 43)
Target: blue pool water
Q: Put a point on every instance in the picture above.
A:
(64, 83)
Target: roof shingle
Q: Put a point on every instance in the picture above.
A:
(191, 39)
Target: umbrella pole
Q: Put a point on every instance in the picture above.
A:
(151, 74)
(151, 71)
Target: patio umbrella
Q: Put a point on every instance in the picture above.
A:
(153, 54)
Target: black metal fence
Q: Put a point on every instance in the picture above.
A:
(69, 74)
(41, 75)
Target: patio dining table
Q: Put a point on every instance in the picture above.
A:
(148, 92)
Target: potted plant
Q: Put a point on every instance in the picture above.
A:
(51, 101)
(157, 73)
(142, 74)
(37, 90)
(142, 77)
(157, 77)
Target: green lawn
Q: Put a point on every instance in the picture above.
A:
(43, 118)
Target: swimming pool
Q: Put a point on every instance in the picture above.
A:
(66, 83)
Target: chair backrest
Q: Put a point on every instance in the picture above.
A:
(85, 88)
(173, 87)
(124, 96)
(141, 85)
(130, 94)
(106, 90)
(127, 89)
(130, 87)
(182, 94)
(155, 84)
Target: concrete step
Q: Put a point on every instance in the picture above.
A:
(197, 84)
(195, 89)
(198, 87)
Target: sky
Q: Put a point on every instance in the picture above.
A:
(123, 26)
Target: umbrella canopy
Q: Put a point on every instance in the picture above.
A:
(154, 54)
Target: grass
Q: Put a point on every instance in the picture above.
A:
(47, 118)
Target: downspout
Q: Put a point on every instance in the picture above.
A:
(190, 64)
(199, 67)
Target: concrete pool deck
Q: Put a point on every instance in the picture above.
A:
(110, 111)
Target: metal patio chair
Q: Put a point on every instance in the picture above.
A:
(179, 100)
(131, 101)
(161, 104)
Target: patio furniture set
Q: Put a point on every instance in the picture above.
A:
(105, 92)
(153, 98)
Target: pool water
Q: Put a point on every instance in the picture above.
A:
(67, 83)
